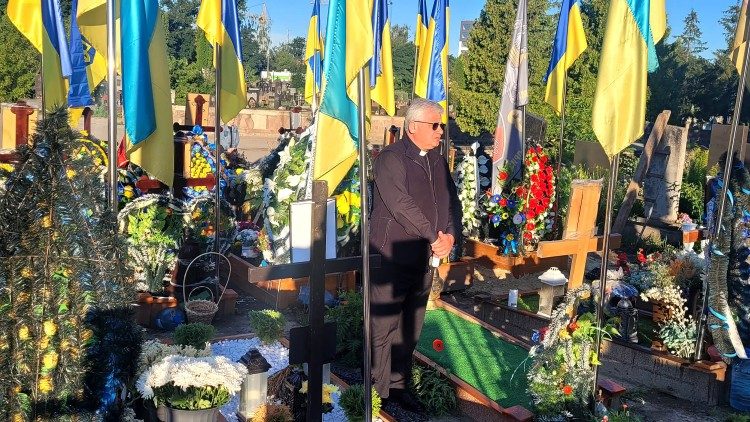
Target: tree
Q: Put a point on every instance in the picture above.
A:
(20, 60)
(692, 35)
(403, 60)
(179, 18)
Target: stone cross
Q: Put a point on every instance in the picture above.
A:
(579, 237)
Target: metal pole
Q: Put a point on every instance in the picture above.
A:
(605, 258)
(41, 84)
(414, 73)
(217, 153)
(112, 106)
(365, 241)
(724, 190)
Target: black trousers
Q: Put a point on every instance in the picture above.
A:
(397, 309)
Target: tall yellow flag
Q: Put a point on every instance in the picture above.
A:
(739, 47)
(628, 54)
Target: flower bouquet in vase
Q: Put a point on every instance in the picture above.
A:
(191, 389)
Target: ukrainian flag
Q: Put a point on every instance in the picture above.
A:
(737, 53)
(41, 22)
(350, 40)
(381, 66)
(146, 96)
(89, 69)
(92, 22)
(628, 54)
(313, 55)
(432, 75)
(222, 27)
(423, 21)
(569, 44)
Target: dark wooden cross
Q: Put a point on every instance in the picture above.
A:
(579, 237)
(316, 345)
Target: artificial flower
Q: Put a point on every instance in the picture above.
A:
(49, 361)
(438, 345)
(50, 328)
(45, 385)
(567, 390)
(23, 333)
(26, 272)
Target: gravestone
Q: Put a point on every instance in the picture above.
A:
(661, 187)
(720, 142)
(591, 155)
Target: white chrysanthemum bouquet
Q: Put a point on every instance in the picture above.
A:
(188, 383)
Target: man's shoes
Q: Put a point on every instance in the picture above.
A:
(406, 400)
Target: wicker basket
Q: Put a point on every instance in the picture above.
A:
(201, 310)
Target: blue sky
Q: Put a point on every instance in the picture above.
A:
(289, 18)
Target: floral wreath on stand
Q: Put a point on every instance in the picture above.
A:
(522, 210)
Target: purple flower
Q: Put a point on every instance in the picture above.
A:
(495, 198)
(495, 219)
(518, 219)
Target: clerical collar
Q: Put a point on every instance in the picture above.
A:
(422, 153)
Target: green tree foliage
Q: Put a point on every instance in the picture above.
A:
(20, 61)
(403, 60)
(291, 56)
(692, 36)
(187, 77)
(179, 18)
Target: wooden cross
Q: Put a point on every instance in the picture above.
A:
(318, 344)
(579, 237)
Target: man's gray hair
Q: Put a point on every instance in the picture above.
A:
(417, 107)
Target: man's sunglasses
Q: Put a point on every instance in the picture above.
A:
(435, 126)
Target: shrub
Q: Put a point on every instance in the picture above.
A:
(349, 319)
(273, 413)
(196, 335)
(623, 416)
(433, 390)
(268, 325)
(353, 402)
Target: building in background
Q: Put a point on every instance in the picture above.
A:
(463, 37)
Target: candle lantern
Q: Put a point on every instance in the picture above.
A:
(255, 386)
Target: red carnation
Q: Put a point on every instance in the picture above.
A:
(573, 326)
(503, 202)
(567, 390)
(530, 215)
(534, 159)
(530, 226)
(539, 149)
(527, 236)
(520, 191)
(438, 345)
(503, 175)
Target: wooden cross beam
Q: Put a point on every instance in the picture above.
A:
(579, 237)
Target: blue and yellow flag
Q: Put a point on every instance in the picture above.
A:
(222, 27)
(432, 76)
(628, 54)
(349, 48)
(146, 95)
(314, 55)
(89, 69)
(41, 22)
(569, 44)
(381, 66)
(92, 22)
(423, 21)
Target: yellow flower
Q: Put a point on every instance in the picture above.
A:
(86, 335)
(342, 204)
(196, 215)
(23, 333)
(70, 173)
(50, 328)
(328, 390)
(128, 192)
(45, 385)
(564, 334)
(49, 361)
(6, 167)
(26, 272)
(44, 343)
(66, 271)
(238, 171)
(303, 389)
(18, 417)
(47, 221)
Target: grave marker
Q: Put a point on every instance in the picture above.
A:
(661, 188)
(720, 142)
(579, 237)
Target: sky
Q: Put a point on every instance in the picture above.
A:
(289, 18)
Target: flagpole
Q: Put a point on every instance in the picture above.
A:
(414, 73)
(112, 105)
(217, 152)
(724, 190)
(365, 239)
(561, 145)
(41, 85)
(613, 168)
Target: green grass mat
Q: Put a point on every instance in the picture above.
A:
(529, 303)
(472, 353)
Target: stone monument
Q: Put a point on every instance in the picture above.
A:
(661, 187)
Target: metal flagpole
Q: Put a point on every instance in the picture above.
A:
(112, 105)
(614, 166)
(414, 73)
(724, 190)
(365, 239)
(41, 85)
(217, 154)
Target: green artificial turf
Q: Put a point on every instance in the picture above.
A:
(489, 364)
(529, 303)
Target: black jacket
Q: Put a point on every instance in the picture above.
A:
(414, 197)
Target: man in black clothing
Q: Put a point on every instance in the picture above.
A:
(414, 217)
